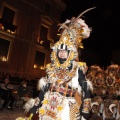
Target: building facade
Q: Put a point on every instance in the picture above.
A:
(28, 28)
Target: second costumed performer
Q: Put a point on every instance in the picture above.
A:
(65, 93)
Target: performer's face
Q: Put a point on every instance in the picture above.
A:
(110, 81)
(99, 81)
(63, 54)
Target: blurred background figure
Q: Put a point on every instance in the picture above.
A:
(23, 92)
(6, 94)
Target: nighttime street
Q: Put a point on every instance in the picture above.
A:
(59, 59)
(11, 115)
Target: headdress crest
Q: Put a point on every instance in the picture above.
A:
(73, 32)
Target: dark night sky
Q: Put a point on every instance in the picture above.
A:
(105, 23)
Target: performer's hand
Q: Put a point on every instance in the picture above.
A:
(37, 101)
(86, 115)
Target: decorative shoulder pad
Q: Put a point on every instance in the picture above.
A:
(83, 66)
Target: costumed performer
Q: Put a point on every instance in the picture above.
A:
(65, 93)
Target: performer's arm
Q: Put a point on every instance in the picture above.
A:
(43, 87)
(42, 92)
(86, 98)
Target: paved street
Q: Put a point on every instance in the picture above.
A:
(11, 115)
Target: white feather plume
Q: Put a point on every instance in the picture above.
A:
(29, 104)
(89, 85)
(79, 89)
(75, 80)
(42, 83)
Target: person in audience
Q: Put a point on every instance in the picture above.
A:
(23, 92)
(6, 94)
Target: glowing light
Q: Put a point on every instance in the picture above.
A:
(12, 32)
(8, 31)
(2, 27)
(4, 58)
(42, 68)
(35, 66)
(41, 42)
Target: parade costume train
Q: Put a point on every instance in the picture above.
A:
(65, 92)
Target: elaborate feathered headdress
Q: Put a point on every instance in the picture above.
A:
(73, 32)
